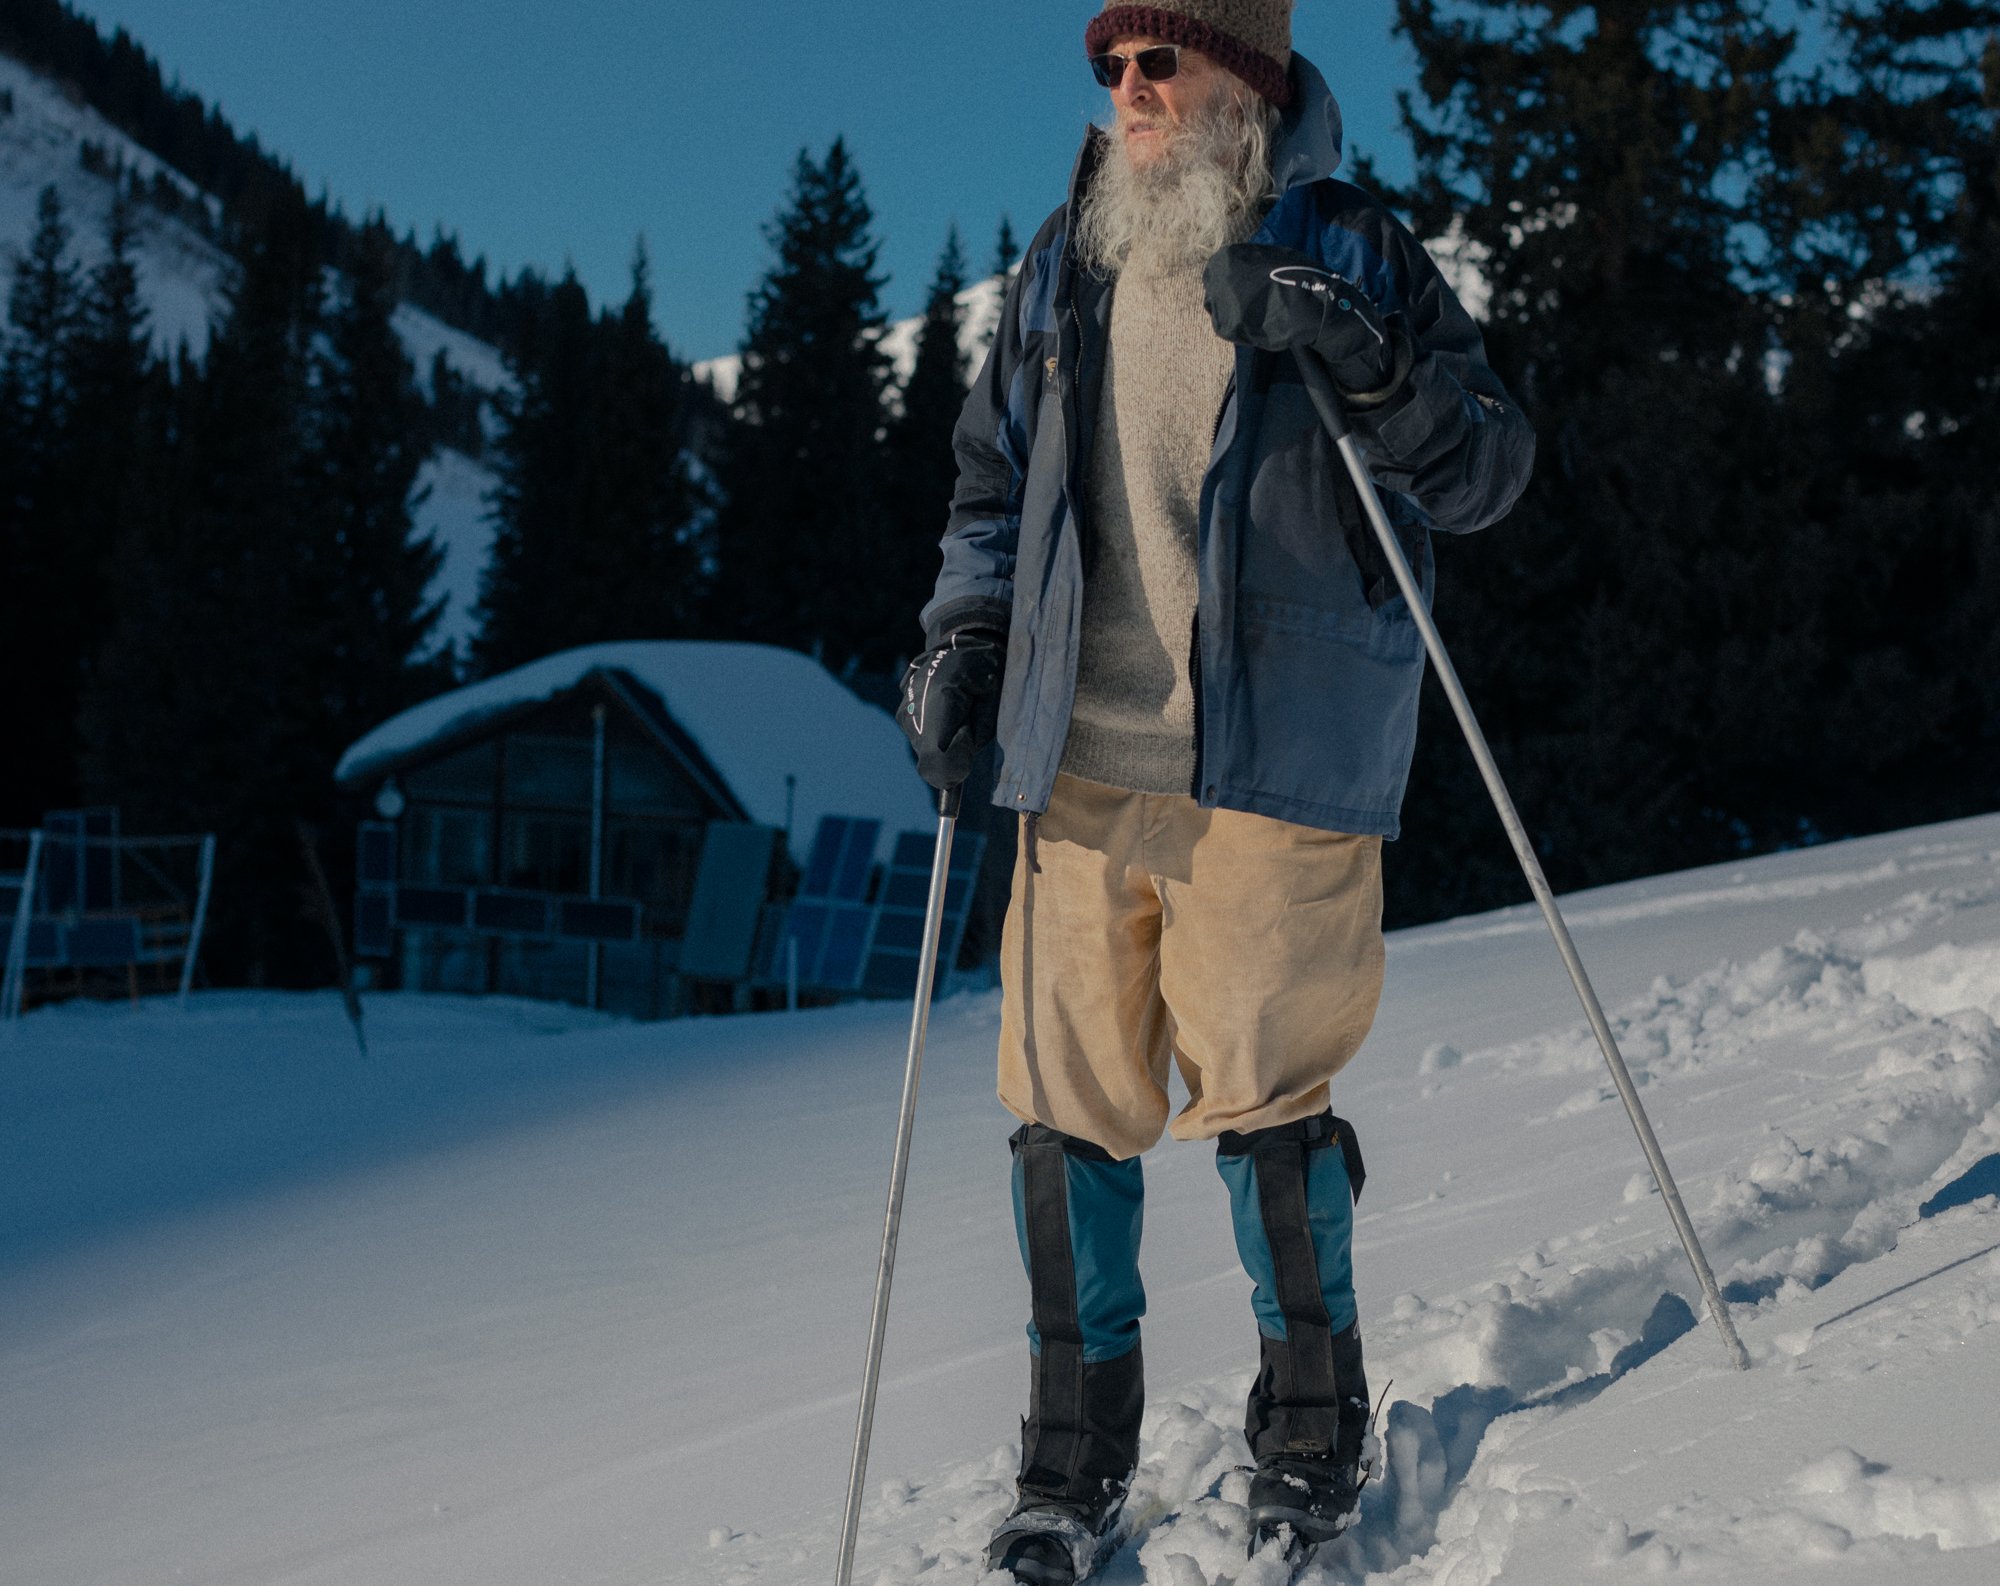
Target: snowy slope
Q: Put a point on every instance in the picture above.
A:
(184, 277)
(979, 311)
(528, 1296)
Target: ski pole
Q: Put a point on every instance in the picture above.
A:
(878, 1323)
(1327, 400)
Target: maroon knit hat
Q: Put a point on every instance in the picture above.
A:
(1252, 38)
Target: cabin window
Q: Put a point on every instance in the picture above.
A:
(546, 853)
(449, 845)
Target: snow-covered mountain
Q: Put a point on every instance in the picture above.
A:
(979, 312)
(45, 136)
(529, 1295)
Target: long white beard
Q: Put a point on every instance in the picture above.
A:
(1202, 192)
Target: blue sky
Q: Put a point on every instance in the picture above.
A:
(546, 131)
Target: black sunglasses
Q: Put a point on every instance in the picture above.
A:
(1156, 65)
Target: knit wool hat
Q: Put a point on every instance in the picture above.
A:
(1252, 38)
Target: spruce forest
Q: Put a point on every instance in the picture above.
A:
(1740, 277)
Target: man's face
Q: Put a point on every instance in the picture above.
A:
(1150, 114)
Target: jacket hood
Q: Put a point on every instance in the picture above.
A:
(1308, 145)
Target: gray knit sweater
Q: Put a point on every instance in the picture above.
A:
(1165, 374)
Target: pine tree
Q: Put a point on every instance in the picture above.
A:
(1005, 249)
(641, 573)
(1888, 183)
(804, 530)
(923, 469)
(366, 587)
(1635, 630)
(42, 604)
(113, 447)
(205, 711)
(524, 607)
(41, 311)
(599, 520)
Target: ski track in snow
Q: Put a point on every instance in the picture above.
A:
(1916, 1047)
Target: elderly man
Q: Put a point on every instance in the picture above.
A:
(1160, 592)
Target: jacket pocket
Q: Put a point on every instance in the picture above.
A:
(1383, 633)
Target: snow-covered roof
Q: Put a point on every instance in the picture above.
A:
(758, 713)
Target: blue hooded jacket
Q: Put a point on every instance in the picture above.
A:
(1305, 663)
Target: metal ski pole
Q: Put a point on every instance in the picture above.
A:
(1327, 400)
(871, 1376)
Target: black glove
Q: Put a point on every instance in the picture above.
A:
(951, 703)
(1278, 299)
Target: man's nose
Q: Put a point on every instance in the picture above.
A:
(1133, 88)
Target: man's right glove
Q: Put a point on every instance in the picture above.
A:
(951, 704)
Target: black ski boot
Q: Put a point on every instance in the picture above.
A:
(1307, 1489)
(1078, 1214)
(1050, 1541)
(1293, 1188)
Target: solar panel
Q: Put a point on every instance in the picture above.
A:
(807, 927)
(729, 891)
(846, 942)
(830, 919)
(897, 944)
(843, 850)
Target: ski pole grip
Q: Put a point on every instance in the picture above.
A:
(949, 799)
(1320, 387)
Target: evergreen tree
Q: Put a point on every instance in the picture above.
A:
(804, 531)
(524, 608)
(1889, 181)
(205, 711)
(1638, 629)
(1005, 249)
(599, 522)
(41, 313)
(923, 469)
(113, 447)
(366, 588)
(42, 606)
(641, 572)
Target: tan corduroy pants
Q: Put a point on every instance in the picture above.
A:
(1144, 927)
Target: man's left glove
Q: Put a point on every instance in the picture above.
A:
(951, 704)
(1279, 299)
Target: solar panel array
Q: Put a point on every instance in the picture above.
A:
(893, 952)
(830, 917)
(844, 941)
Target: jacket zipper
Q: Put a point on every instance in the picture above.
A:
(1194, 657)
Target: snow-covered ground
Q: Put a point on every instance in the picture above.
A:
(528, 1296)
